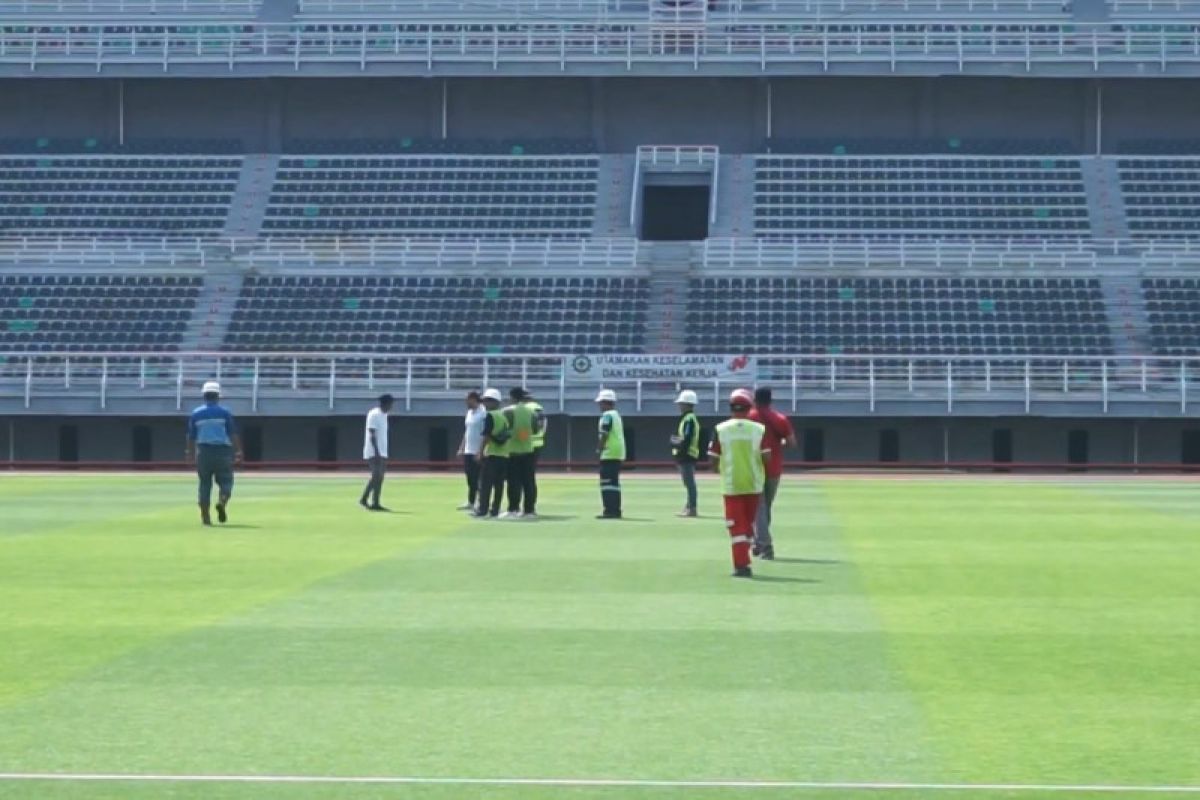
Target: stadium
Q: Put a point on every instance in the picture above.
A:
(958, 241)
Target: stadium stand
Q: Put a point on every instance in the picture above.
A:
(444, 314)
(132, 9)
(478, 196)
(116, 193)
(917, 316)
(933, 196)
(1162, 196)
(1173, 308)
(47, 312)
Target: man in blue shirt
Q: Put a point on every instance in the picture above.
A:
(213, 441)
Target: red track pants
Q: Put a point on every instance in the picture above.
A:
(740, 512)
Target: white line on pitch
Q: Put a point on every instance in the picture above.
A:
(601, 783)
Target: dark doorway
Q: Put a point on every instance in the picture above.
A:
(889, 445)
(1191, 447)
(812, 445)
(143, 444)
(327, 443)
(252, 442)
(439, 444)
(1077, 447)
(68, 442)
(630, 444)
(675, 213)
(1002, 446)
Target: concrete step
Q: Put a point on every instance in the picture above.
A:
(1106, 204)
(214, 310)
(252, 195)
(1127, 319)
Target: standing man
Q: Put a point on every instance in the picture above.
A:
(610, 447)
(522, 490)
(496, 434)
(375, 451)
(539, 441)
(685, 447)
(779, 433)
(471, 446)
(213, 443)
(740, 453)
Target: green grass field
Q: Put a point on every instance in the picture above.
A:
(974, 631)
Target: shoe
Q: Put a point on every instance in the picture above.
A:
(768, 553)
(687, 512)
(465, 507)
(511, 515)
(529, 516)
(363, 502)
(477, 514)
(205, 519)
(743, 572)
(756, 550)
(377, 507)
(608, 516)
(222, 517)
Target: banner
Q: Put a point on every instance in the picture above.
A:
(683, 369)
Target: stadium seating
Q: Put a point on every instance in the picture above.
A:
(917, 316)
(1162, 196)
(409, 314)
(914, 197)
(93, 313)
(98, 194)
(456, 196)
(1173, 308)
(139, 10)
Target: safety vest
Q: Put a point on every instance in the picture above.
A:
(521, 442)
(614, 447)
(500, 426)
(742, 470)
(690, 447)
(539, 433)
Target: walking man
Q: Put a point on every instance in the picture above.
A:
(496, 434)
(779, 433)
(471, 446)
(740, 453)
(610, 447)
(685, 447)
(522, 489)
(215, 446)
(375, 451)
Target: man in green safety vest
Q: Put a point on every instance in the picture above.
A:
(610, 447)
(740, 453)
(539, 440)
(497, 431)
(522, 488)
(685, 447)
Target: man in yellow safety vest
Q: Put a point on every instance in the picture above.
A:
(740, 455)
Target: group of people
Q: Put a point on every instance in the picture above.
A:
(500, 450)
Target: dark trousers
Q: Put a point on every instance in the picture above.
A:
(214, 463)
(610, 487)
(375, 484)
(471, 469)
(687, 471)
(491, 484)
(522, 486)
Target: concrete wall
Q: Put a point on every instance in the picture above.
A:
(619, 113)
(1035, 440)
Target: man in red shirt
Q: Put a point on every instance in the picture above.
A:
(779, 433)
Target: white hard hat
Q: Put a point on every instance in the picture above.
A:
(606, 396)
(492, 394)
(211, 387)
(687, 396)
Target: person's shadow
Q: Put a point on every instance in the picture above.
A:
(815, 561)
(782, 579)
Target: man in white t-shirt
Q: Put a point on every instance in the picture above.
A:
(472, 446)
(375, 451)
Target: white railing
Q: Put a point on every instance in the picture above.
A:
(726, 9)
(874, 384)
(752, 254)
(1164, 10)
(955, 46)
(611, 255)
